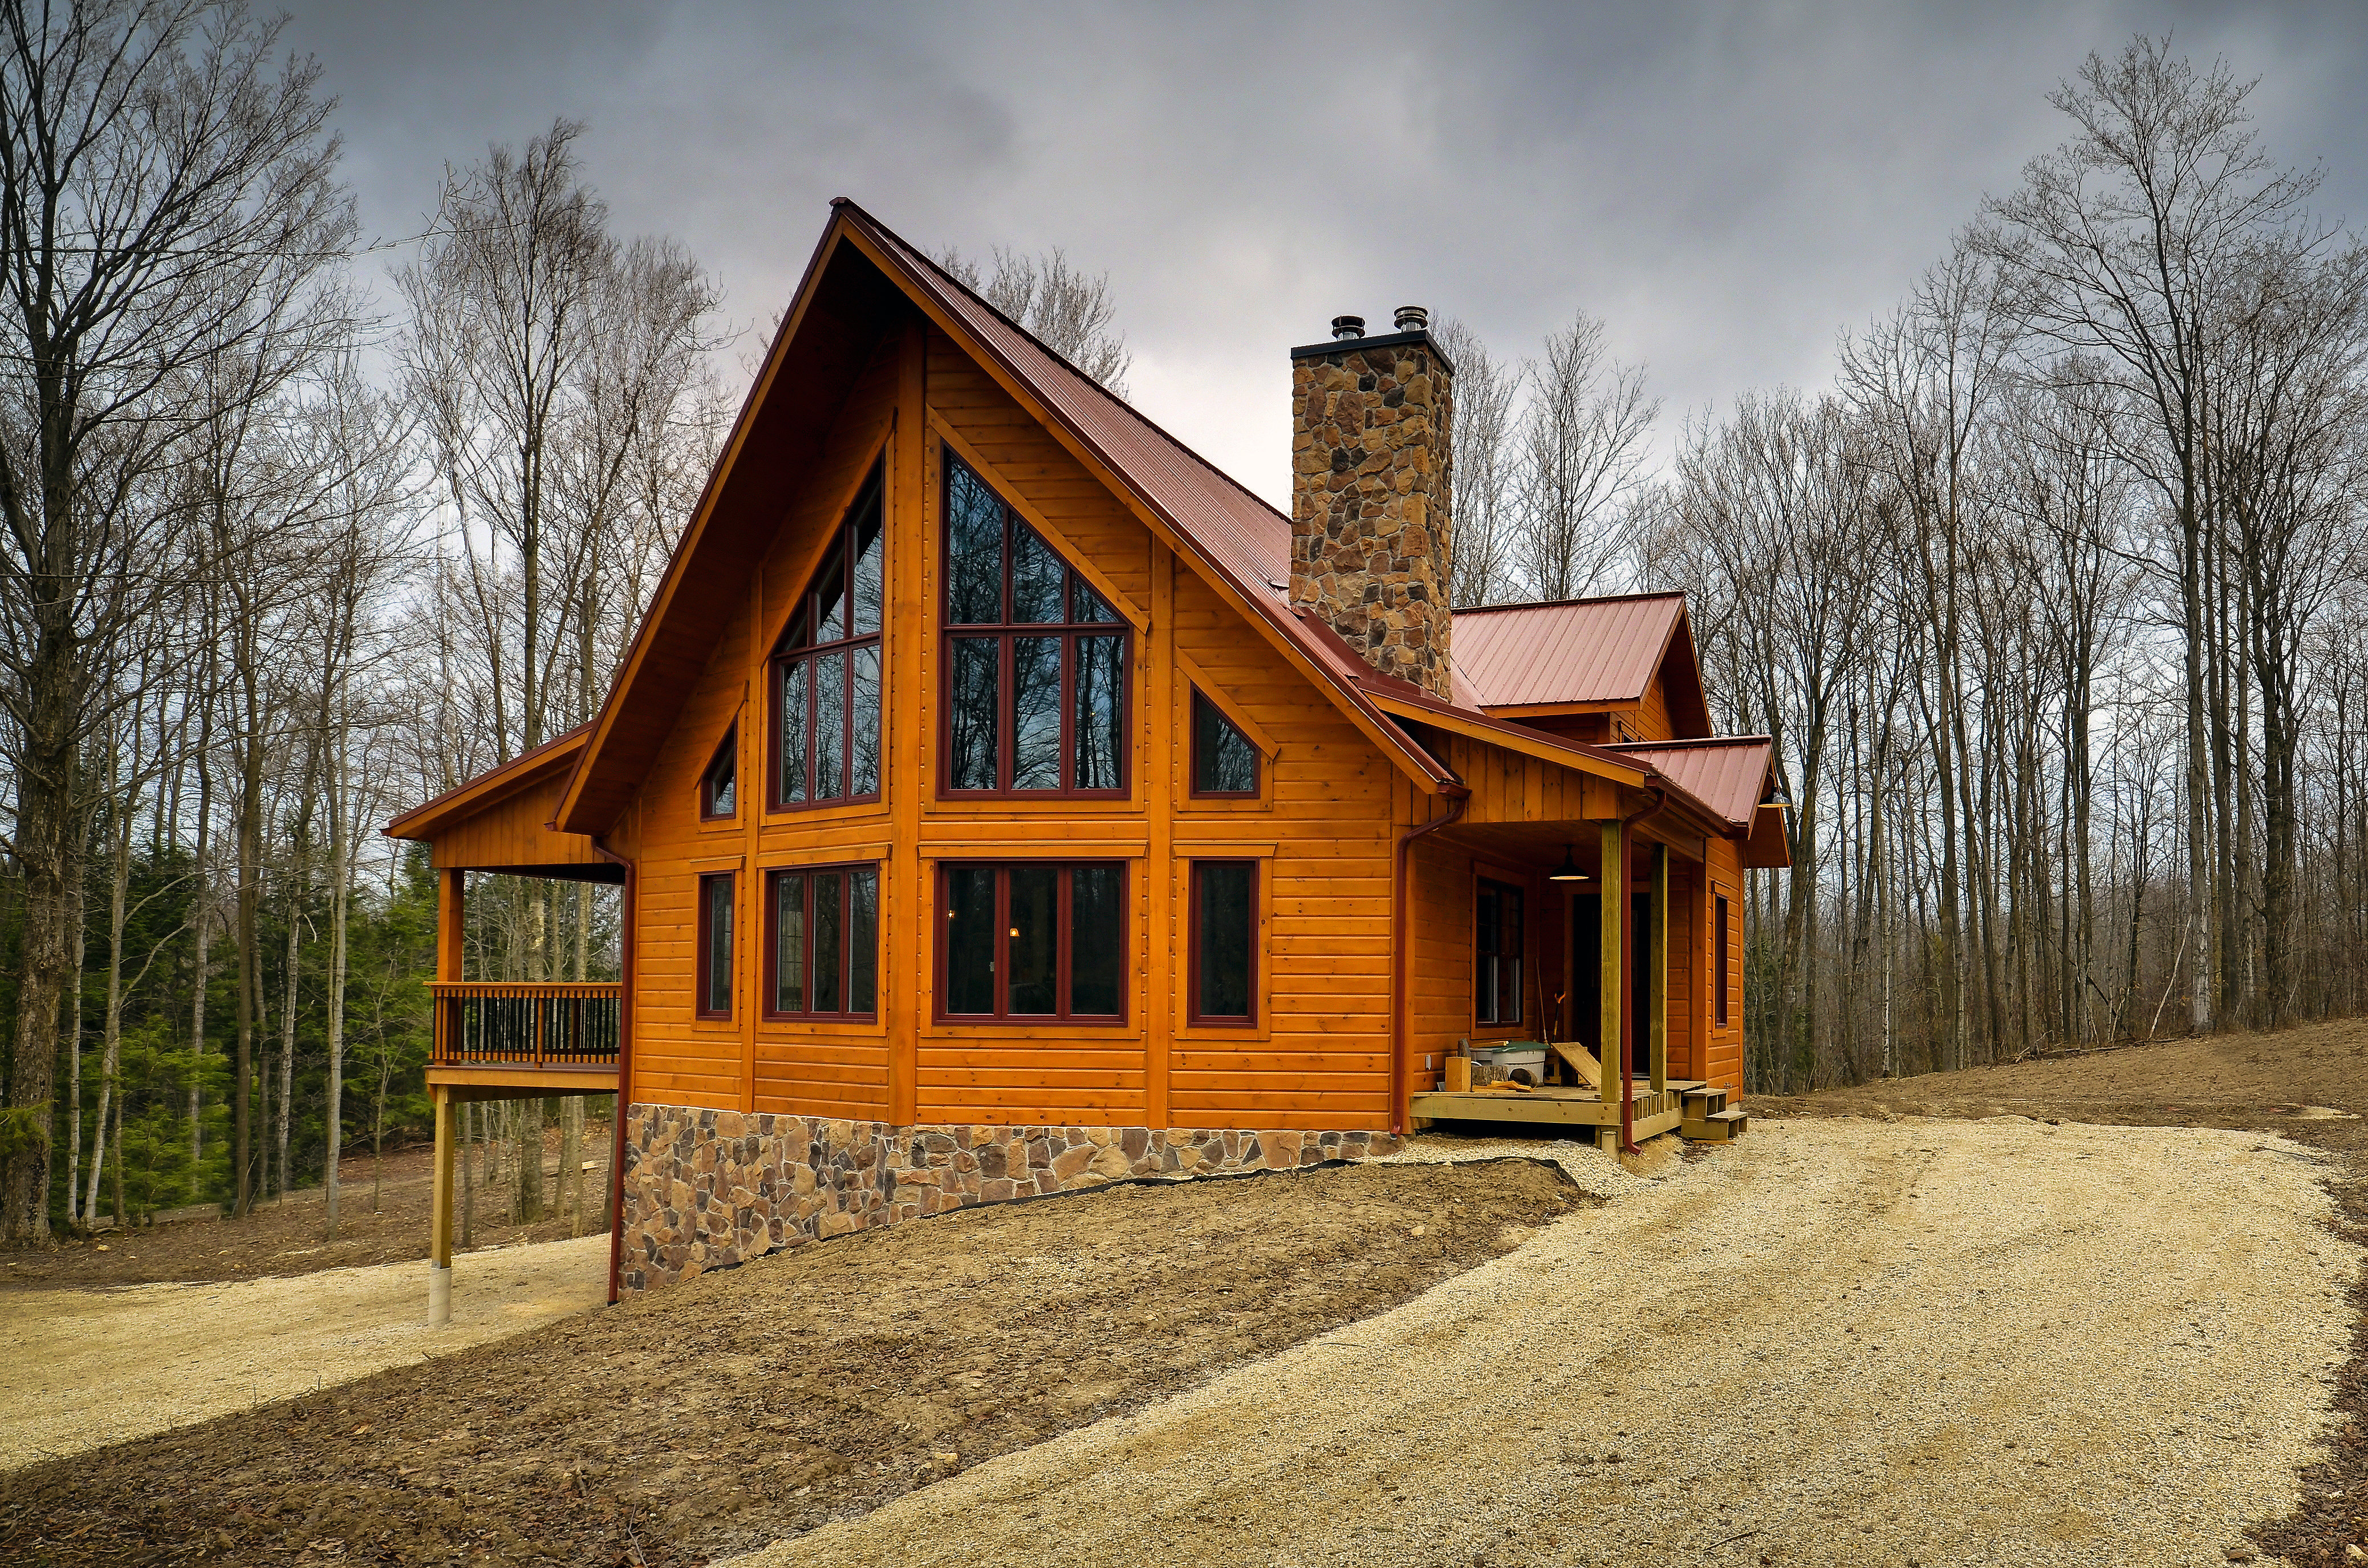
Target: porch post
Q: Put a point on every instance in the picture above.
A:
(1657, 945)
(451, 905)
(440, 1225)
(1614, 880)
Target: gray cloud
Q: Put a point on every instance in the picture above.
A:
(1727, 186)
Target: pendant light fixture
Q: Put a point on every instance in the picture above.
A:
(1568, 871)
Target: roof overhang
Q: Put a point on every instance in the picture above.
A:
(489, 788)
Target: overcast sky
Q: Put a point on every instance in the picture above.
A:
(1727, 186)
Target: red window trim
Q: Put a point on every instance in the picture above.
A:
(729, 748)
(1192, 761)
(706, 939)
(772, 874)
(1069, 633)
(1192, 1014)
(1002, 1017)
(777, 663)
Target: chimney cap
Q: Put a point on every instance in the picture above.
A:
(1348, 326)
(1413, 318)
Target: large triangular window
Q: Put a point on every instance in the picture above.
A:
(1035, 662)
(826, 670)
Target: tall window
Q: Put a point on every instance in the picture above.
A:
(1224, 761)
(1722, 961)
(827, 671)
(1497, 955)
(1032, 941)
(1035, 666)
(1223, 979)
(714, 979)
(717, 797)
(824, 959)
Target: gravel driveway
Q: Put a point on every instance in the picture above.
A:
(1840, 1341)
(79, 1368)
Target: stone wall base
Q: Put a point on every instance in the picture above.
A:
(708, 1188)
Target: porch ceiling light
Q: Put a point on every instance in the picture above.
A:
(1568, 871)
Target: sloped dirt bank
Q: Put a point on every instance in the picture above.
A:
(815, 1385)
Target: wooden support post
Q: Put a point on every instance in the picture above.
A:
(1656, 947)
(451, 909)
(1614, 880)
(439, 1224)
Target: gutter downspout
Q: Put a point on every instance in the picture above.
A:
(624, 1069)
(1628, 953)
(1401, 950)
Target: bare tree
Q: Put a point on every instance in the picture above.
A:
(1487, 477)
(2123, 242)
(1066, 308)
(1581, 452)
(165, 191)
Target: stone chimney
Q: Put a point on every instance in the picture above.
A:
(1369, 493)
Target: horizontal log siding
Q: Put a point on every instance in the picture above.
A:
(1722, 1058)
(841, 1071)
(514, 833)
(1321, 1058)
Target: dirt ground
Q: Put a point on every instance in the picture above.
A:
(2284, 1082)
(1840, 1341)
(282, 1238)
(79, 1368)
(761, 1401)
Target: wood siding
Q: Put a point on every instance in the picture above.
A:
(1323, 829)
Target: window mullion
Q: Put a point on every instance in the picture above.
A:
(1060, 901)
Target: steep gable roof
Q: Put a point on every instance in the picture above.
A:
(1237, 542)
(1580, 653)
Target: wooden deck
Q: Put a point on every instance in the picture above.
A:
(1694, 1110)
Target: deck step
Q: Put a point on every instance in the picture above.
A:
(1718, 1126)
(1702, 1101)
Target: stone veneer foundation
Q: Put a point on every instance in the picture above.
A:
(708, 1188)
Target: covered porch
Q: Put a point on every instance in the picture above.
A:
(1557, 963)
(1580, 896)
(508, 1040)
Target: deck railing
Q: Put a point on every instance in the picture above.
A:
(519, 1023)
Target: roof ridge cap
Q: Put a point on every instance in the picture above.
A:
(1568, 604)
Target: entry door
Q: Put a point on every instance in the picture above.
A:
(1586, 976)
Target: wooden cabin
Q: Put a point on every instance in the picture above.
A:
(1006, 802)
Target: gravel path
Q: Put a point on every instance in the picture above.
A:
(79, 1368)
(1840, 1341)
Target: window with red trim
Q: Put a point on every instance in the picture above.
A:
(1223, 983)
(1032, 940)
(1497, 954)
(1224, 763)
(1721, 965)
(714, 981)
(1036, 661)
(821, 960)
(825, 671)
(717, 794)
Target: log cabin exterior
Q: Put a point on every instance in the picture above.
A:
(1008, 801)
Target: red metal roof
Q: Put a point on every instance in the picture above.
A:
(1577, 650)
(1729, 775)
(1584, 651)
